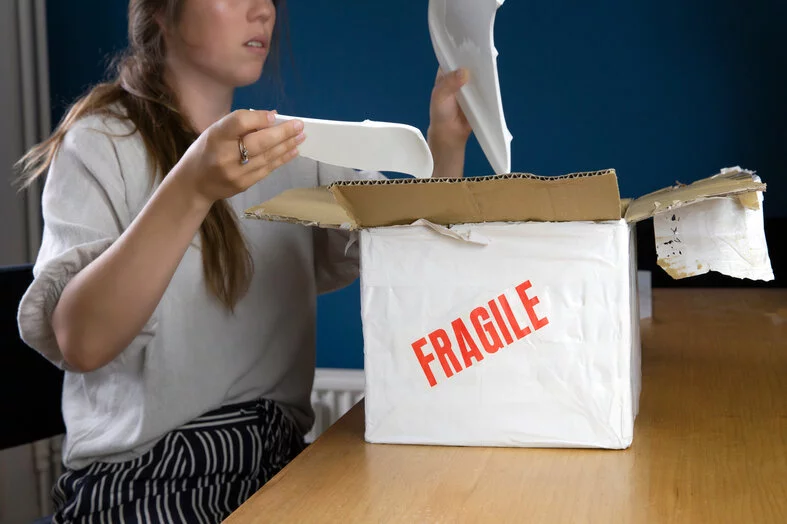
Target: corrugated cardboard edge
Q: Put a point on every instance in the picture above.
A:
(514, 197)
(734, 181)
(509, 176)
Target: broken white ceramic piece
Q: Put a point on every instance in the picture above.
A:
(367, 146)
(462, 34)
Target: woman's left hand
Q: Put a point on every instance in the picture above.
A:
(448, 127)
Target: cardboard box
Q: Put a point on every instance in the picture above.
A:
(503, 311)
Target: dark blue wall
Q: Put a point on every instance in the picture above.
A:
(660, 90)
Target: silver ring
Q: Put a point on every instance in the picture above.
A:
(244, 153)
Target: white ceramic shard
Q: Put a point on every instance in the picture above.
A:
(368, 145)
(462, 34)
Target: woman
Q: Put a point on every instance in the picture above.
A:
(187, 336)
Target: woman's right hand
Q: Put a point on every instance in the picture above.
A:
(212, 165)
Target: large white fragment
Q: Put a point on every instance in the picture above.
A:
(367, 145)
(462, 34)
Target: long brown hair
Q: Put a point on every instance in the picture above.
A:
(151, 106)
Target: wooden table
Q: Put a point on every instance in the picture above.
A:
(710, 443)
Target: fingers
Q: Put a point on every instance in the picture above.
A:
(262, 167)
(287, 148)
(279, 145)
(244, 121)
(447, 84)
(269, 145)
(259, 142)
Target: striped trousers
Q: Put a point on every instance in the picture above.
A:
(198, 473)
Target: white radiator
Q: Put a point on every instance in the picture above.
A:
(335, 392)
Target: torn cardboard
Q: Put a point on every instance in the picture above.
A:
(523, 197)
(742, 183)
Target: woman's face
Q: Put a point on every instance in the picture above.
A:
(226, 40)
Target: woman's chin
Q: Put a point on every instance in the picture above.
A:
(247, 77)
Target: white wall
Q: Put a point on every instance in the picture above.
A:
(18, 495)
(13, 243)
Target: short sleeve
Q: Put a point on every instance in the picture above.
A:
(84, 210)
(335, 251)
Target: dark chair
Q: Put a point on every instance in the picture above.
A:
(30, 388)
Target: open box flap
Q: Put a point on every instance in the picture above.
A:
(742, 183)
(502, 198)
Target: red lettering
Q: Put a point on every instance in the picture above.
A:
(529, 304)
(495, 326)
(442, 346)
(500, 323)
(466, 341)
(424, 360)
(493, 343)
(519, 333)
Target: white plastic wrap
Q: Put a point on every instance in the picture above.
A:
(572, 382)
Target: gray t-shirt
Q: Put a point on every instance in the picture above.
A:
(192, 356)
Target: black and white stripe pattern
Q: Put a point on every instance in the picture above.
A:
(198, 473)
